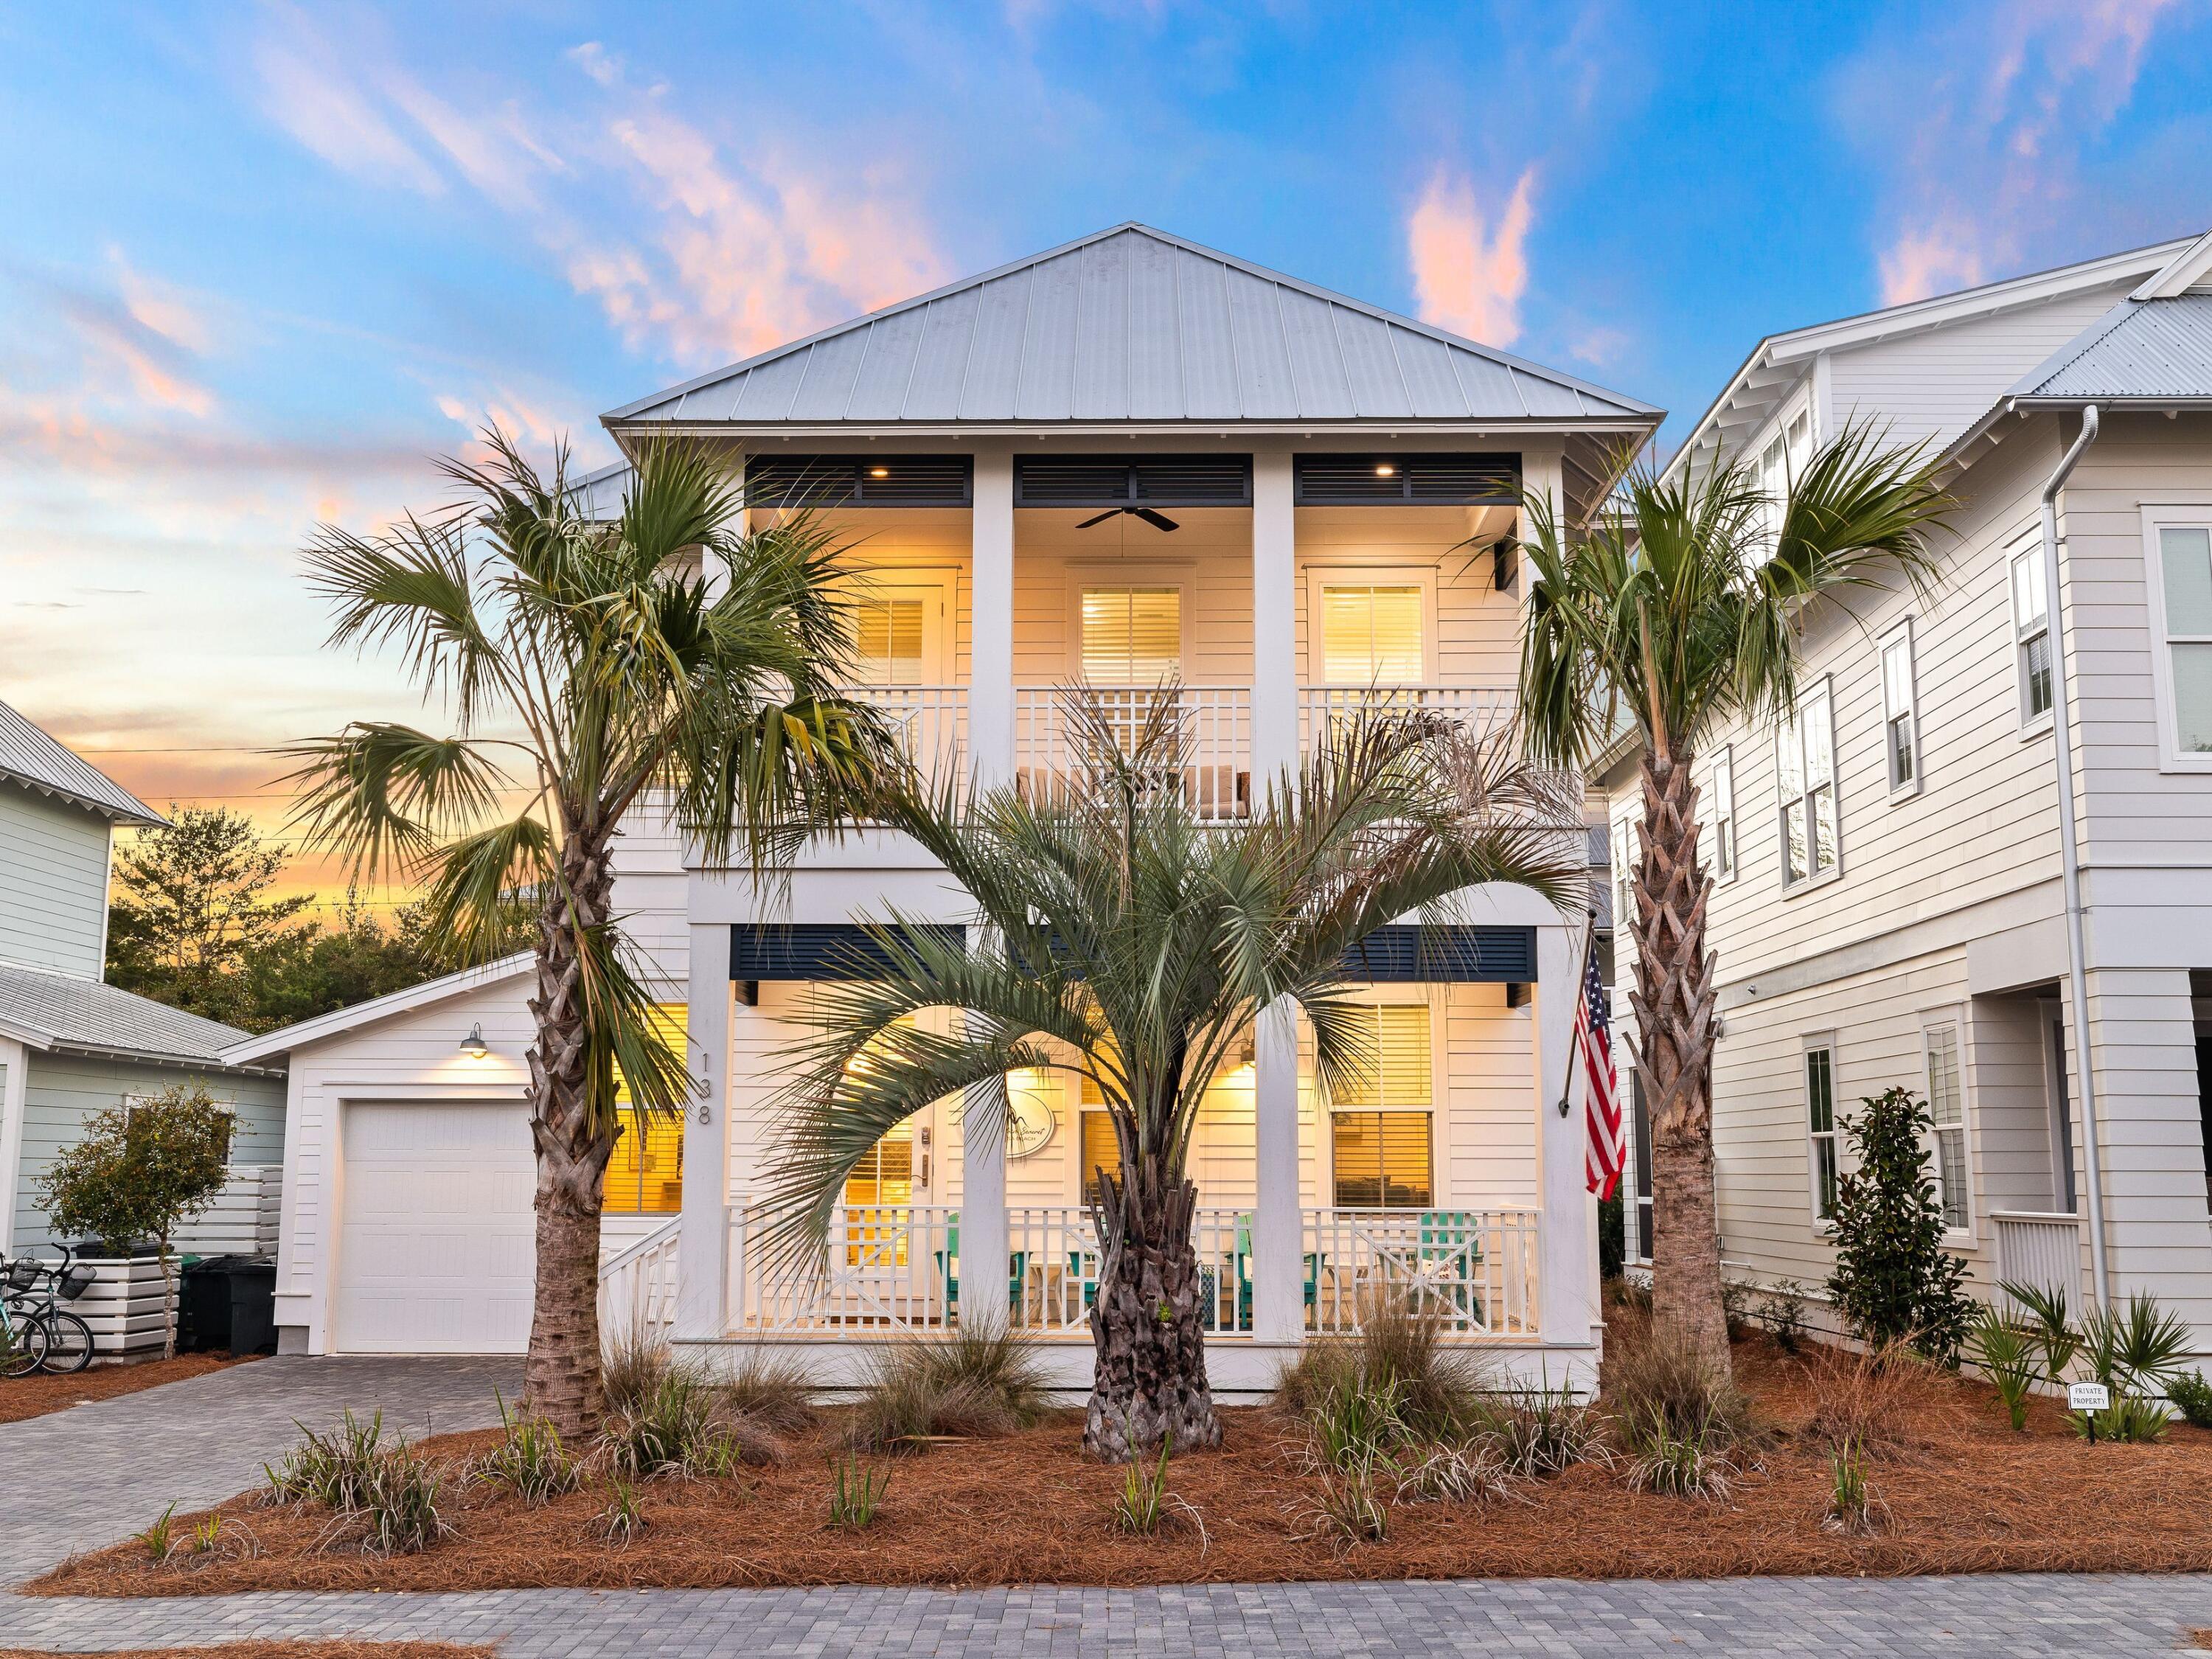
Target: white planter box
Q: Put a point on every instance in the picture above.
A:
(125, 1306)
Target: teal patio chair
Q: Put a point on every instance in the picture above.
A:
(1313, 1260)
(1450, 1250)
(948, 1273)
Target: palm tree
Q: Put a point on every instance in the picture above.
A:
(582, 665)
(1122, 935)
(1681, 609)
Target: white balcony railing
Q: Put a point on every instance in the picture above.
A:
(930, 723)
(1479, 709)
(887, 1270)
(637, 1285)
(1474, 1270)
(2039, 1251)
(1054, 1267)
(1212, 722)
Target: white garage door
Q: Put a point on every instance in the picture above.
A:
(435, 1238)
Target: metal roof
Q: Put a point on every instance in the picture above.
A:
(2142, 349)
(252, 1050)
(598, 495)
(59, 1010)
(29, 757)
(1131, 324)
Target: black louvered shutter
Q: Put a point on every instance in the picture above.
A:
(1430, 480)
(859, 481)
(1134, 481)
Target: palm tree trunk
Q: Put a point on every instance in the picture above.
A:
(561, 1376)
(1148, 1324)
(1673, 1000)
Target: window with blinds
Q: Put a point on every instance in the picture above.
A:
(887, 638)
(645, 1175)
(882, 1178)
(1102, 1148)
(1379, 1123)
(1947, 1114)
(1132, 635)
(1371, 635)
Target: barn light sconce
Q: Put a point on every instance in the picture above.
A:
(473, 1044)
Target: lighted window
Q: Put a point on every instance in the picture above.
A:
(1946, 1114)
(887, 638)
(1371, 635)
(1132, 635)
(1380, 1120)
(1805, 765)
(2031, 626)
(1102, 1147)
(645, 1175)
(1821, 1127)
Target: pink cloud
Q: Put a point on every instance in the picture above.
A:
(1469, 273)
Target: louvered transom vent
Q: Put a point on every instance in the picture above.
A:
(1433, 480)
(859, 481)
(1136, 480)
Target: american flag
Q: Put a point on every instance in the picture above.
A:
(1602, 1096)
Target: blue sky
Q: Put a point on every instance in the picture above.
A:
(263, 261)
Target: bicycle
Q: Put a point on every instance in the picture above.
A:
(22, 1345)
(68, 1338)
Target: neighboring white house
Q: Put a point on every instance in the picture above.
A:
(1326, 489)
(69, 1045)
(1890, 898)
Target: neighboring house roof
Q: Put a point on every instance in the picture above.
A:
(30, 758)
(1130, 325)
(1781, 362)
(2153, 351)
(598, 495)
(249, 1050)
(50, 1010)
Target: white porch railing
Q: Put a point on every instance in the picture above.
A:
(1055, 1269)
(637, 1285)
(1474, 1269)
(929, 722)
(1481, 709)
(887, 1270)
(1214, 723)
(2039, 1250)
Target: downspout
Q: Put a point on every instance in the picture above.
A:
(2070, 854)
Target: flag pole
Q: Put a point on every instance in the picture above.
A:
(1582, 972)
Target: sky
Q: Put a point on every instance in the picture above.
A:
(263, 263)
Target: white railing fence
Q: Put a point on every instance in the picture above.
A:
(1474, 1270)
(887, 1268)
(1055, 1264)
(243, 1220)
(1212, 723)
(637, 1285)
(930, 723)
(1481, 710)
(2038, 1250)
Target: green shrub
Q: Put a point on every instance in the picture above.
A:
(857, 1493)
(970, 1384)
(2005, 1350)
(334, 1469)
(1894, 1280)
(2193, 1394)
(1781, 1312)
(530, 1462)
(2053, 1330)
(400, 1505)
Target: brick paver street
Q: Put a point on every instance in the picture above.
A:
(78, 1479)
(1980, 1617)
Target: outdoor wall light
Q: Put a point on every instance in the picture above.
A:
(473, 1044)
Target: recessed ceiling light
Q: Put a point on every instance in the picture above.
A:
(879, 472)
(1386, 470)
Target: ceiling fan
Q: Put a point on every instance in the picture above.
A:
(1157, 520)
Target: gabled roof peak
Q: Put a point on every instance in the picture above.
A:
(30, 758)
(1130, 325)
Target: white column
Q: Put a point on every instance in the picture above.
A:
(702, 1251)
(991, 648)
(1566, 1231)
(14, 1062)
(1278, 1310)
(983, 1234)
(1274, 620)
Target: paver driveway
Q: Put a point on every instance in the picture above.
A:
(78, 1479)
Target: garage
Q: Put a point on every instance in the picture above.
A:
(435, 1227)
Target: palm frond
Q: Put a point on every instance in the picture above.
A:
(382, 795)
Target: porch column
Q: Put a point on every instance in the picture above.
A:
(991, 621)
(1279, 1310)
(984, 1244)
(1566, 1231)
(702, 1248)
(1274, 621)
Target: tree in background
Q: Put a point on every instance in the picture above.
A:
(1680, 608)
(1894, 1280)
(140, 1171)
(192, 904)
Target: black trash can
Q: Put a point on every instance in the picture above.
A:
(252, 1305)
(203, 1305)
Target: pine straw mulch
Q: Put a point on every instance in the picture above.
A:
(22, 1397)
(300, 1649)
(1962, 1494)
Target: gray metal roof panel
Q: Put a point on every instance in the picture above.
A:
(63, 1011)
(1131, 323)
(29, 757)
(2146, 348)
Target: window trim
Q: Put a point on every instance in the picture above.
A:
(887, 583)
(1383, 996)
(1624, 882)
(2178, 514)
(2031, 547)
(1819, 1043)
(1900, 633)
(1320, 577)
(1825, 691)
(1931, 1024)
(1724, 813)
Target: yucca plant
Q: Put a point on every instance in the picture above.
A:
(1682, 608)
(2005, 1350)
(583, 666)
(1122, 934)
(2053, 1328)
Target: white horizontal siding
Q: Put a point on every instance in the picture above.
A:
(53, 882)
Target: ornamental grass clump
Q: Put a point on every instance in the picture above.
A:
(1540, 1431)
(856, 1493)
(1852, 1501)
(1687, 1428)
(678, 1430)
(399, 1508)
(973, 1384)
(1434, 1391)
(333, 1469)
(1872, 1398)
(531, 1460)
